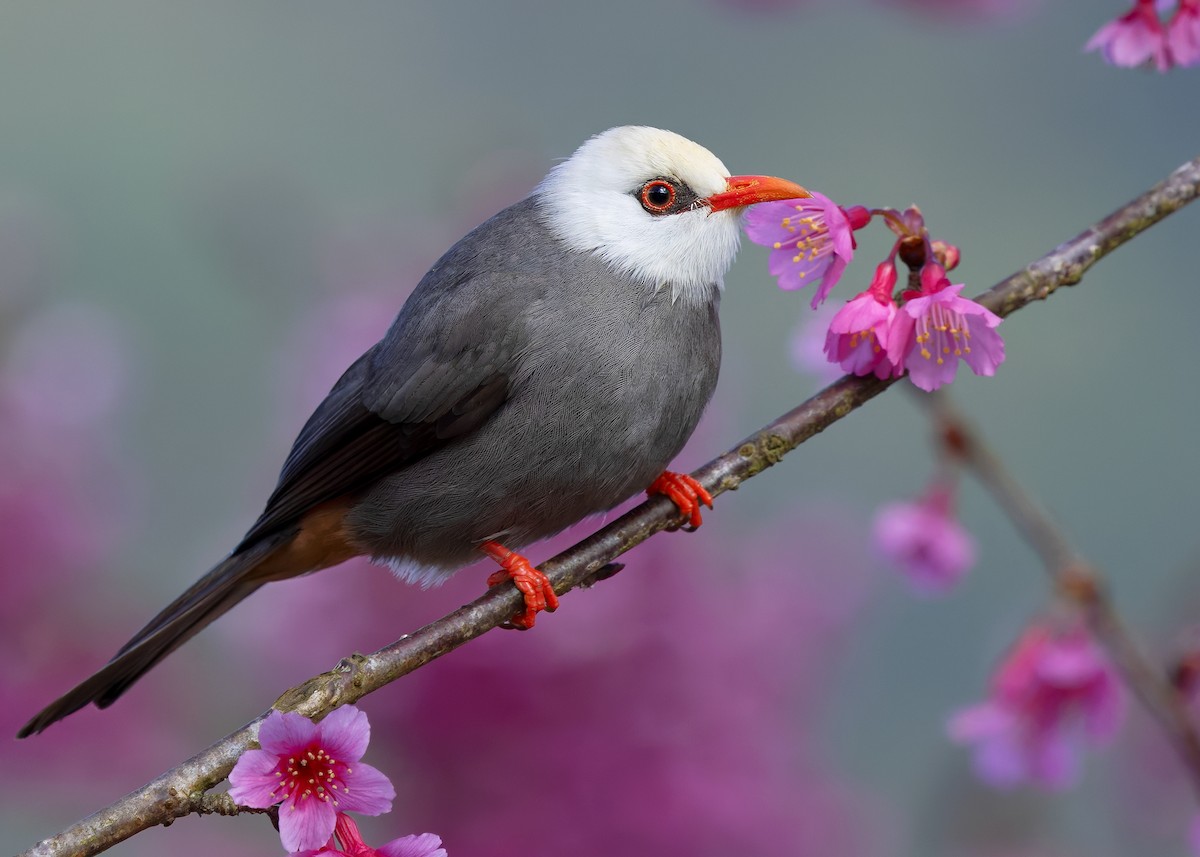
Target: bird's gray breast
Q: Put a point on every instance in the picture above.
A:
(609, 383)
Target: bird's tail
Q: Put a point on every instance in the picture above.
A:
(211, 596)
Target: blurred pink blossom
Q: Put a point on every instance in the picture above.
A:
(1054, 687)
(1134, 39)
(63, 378)
(925, 540)
(1183, 34)
(668, 707)
(807, 344)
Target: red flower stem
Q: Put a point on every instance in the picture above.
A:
(180, 791)
(1074, 578)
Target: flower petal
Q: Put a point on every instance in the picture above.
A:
(306, 823)
(927, 373)
(987, 348)
(978, 723)
(764, 222)
(252, 780)
(860, 313)
(829, 279)
(999, 762)
(415, 845)
(899, 339)
(345, 733)
(368, 791)
(285, 732)
(1054, 760)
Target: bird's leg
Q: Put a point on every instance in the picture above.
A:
(685, 492)
(535, 586)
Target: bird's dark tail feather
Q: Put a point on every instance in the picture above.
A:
(212, 595)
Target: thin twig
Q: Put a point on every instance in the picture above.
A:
(1074, 578)
(179, 791)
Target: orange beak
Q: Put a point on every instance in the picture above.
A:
(747, 190)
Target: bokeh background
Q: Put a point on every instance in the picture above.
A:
(208, 209)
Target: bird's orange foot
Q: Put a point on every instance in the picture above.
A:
(685, 492)
(535, 586)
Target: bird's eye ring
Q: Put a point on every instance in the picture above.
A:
(657, 196)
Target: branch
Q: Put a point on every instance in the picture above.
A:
(180, 791)
(1076, 579)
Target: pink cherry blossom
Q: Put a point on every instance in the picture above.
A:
(857, 335)
(925, 540)
(812, 240)
(314, 770)
(1134, 39)
(1053, 688)
(1183, 34)
(937, 327)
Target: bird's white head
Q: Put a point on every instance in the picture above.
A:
(654, 205)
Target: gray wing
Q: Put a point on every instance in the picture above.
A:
(444, 367)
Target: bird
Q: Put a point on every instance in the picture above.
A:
(548, 367)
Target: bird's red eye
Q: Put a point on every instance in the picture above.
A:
(657, 196)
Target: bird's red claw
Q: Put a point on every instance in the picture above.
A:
(535, 586)
(685, 492)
